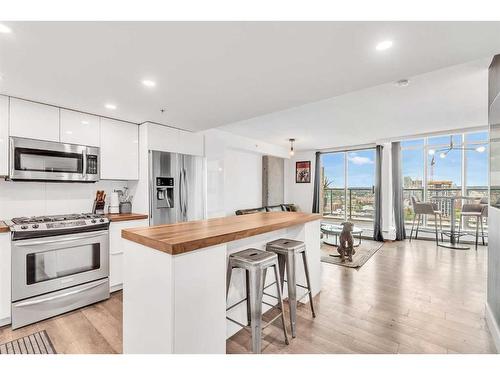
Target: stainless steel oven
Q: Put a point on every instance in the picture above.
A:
(52, 161)
(59, 273)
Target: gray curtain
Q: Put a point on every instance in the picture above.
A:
(397, 191)
(377, 226)
(317, 184)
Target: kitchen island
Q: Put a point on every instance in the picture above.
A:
(174, 288)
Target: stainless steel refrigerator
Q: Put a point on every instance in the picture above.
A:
(176, 188)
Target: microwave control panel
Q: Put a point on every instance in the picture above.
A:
(91, 164)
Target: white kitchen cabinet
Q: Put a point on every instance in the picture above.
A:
(79, 128)
(116, 244)
(4, 135)
(164, 138)
(191, 143)
(34, 120)
(119, 150)
(5, 282)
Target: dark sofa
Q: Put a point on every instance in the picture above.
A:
(276, 208)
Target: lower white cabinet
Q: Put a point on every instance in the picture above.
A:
(116, 250)
(5, 283)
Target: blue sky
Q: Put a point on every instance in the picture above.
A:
(361, 168)
(361, 164)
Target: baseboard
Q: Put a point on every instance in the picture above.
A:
(493, 327)
(115, 288)
(5, 322)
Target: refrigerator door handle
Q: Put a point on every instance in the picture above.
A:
(186, 200)
(182, 192)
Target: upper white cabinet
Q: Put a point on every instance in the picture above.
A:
(164, 138)
(192, 143)
(4, 135)
(79, 128)
(34, 120)
(119, 150)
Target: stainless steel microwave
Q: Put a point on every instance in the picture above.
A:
(35, 160)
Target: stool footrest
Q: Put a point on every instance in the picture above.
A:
(305, 295)
(236, 322)
(270, 295)
(263, 327)
(236, 304)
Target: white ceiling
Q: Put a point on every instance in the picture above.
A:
(214, 73)
(446, 99)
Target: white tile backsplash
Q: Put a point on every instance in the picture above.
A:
(50, 198)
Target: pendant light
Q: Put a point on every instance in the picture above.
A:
(292, 141)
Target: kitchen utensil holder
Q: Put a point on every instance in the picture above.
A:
(125, 207)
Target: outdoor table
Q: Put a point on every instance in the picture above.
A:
(452, 233)
(335, 230)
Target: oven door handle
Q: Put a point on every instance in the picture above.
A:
(67, 294)
(47, 242)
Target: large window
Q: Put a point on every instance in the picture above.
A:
(428, 171)
(348, 192)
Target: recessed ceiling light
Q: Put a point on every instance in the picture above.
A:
(85, 122)
(481, 149)
(382, 46)
(148, 83)
(110, 106)
(69, 132)
(5, 29)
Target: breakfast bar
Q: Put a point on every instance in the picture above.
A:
(174, 288)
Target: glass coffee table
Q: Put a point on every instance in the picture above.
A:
(334, 230)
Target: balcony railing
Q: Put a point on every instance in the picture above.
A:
(443, 205)
(353, 204)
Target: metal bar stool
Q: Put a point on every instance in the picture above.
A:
(255, 263)
(286, 251)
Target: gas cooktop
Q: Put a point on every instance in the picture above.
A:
(55, 218)
(41, 226)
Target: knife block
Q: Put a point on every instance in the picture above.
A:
(98, 207)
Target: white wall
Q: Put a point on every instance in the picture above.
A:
(19, 198)
(234, 171)
(243, 180)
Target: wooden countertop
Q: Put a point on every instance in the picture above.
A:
(3, 227)
(184, 237)
(125, 217)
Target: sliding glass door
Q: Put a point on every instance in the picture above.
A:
(348, 186)
(431, 171)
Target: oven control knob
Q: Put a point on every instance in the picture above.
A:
(24, 227)
(101, 220)
(34, 226)
(93, 221)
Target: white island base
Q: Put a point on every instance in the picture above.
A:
(177, 303)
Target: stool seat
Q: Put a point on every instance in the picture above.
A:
(251, 258)
(284, 245)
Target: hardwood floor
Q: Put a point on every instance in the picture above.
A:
(95, 329)
(408, 298)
